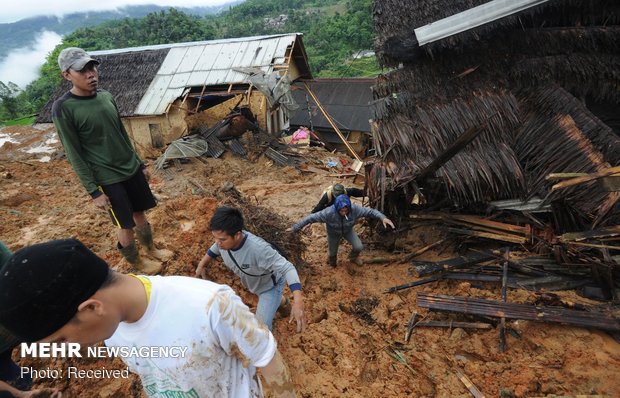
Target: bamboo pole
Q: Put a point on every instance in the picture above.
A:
(331, 122)
(580, 180)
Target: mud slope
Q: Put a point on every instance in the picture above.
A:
(354, 346)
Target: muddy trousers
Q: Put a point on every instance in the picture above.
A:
(333, 241)
(268, 303)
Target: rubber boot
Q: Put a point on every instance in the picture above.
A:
(144, 265)
(333, 261)
(354, 257)
(145, 237)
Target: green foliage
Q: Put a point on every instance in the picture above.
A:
(10, 103)
(22, 121)
(334, 31)
(162, 27)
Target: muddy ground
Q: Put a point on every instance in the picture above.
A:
(354, 345)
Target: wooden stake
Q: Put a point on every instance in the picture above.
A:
(331, 122)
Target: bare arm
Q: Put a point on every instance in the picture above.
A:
(201, 269)
(297, 311)
(278, 378)
(42, 393)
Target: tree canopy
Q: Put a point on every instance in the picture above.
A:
(334, 30)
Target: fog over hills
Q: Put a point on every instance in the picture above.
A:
(25, 44)
(23, 32)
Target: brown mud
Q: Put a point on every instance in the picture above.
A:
(354, 345)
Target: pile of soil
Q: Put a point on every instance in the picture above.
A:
(355, 343)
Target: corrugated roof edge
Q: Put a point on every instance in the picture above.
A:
(189, 44)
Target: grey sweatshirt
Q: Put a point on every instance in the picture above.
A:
(335, 223)
(258, 264)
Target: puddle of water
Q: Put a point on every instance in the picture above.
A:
(4, 137)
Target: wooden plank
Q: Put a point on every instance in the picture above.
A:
(476, 306)
(411, 284)
(502, 323)
(470, 386)
(600, 233)
(451, 324)
(491, 224)
(423, 268)
(424, 249)
(488, 235)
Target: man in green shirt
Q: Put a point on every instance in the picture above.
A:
(99, 150)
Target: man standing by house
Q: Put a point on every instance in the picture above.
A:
(101, 154)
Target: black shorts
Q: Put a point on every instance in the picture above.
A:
(128, 197)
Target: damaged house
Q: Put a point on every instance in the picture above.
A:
(503, 108)
(347, 101)
(166, 91)
(533, 83)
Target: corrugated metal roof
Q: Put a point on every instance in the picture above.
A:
(476, 16)
(207, 63)
(346, 100)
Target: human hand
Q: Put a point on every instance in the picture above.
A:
(297, 314)
(42, 393)
(386, 221)
(201, 271)
(102, 201)
(147, 174)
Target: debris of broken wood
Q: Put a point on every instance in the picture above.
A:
(477, 306)
(422, 268)
(470, 386)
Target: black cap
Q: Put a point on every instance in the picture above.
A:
(41, 286)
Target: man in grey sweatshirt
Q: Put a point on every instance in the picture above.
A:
(262, 270)
(339, 220)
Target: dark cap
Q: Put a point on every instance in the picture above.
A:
(74, 58)
(41, 286)
(338, 189)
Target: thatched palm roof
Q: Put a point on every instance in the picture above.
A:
(395, 21)
(523, 79)
(126, 75)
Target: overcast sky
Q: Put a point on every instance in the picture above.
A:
(14, 11)
(22, 66)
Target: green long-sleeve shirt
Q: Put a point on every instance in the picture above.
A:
(95, 140)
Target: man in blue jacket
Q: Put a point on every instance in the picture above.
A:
(339, 220)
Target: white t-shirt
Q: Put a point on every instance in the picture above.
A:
(223, 340)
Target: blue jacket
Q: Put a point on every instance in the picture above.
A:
(335, 223)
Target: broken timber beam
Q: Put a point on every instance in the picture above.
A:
(462, 141)
(488, 235)
(489, 225)
(590, 177)
(422, 268)
(476, 306)
(451, 324)
(331, 122)
(599, 234)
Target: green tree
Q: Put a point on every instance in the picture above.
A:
(333, 31)
(10, 102)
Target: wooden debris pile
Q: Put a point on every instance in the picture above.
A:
(587, 260)
(266, 224)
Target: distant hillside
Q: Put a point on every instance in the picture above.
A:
(23, 32)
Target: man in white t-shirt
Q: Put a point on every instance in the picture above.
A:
(183, 336)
